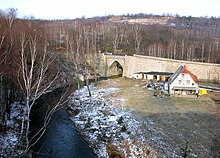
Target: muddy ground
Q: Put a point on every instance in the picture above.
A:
(174, 126)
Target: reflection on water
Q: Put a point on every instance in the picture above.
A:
(61, 140)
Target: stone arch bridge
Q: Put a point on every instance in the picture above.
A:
(124, 65)
(112, 65)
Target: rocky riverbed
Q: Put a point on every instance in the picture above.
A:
(110, 130)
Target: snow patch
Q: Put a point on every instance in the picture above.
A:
(9, 140)
(106, 125)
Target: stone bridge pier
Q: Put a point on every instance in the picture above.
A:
(112, 65)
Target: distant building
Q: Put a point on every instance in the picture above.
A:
(182, 82)
(158, 76)
(138, 75)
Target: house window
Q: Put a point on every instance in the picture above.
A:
(188, 81)
(182, 75)
(179, 82)
(192, 83)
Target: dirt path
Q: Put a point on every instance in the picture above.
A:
(173, 126)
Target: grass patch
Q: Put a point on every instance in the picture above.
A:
(139, 99)
(211, 84)
(172, 120)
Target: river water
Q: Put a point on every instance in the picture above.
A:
(61, 140)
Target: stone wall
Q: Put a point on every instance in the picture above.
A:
(138, 63)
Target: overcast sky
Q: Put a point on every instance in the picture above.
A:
(71, 9)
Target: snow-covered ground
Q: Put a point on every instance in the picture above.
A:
(9, 140)
(109, 129)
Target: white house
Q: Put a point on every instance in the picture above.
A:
(183, 82)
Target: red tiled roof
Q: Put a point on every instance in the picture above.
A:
(194, 77)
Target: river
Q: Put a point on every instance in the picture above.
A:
(61, 140)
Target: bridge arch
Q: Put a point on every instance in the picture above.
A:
(115, 69)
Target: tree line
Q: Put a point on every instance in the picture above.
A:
(184, 38)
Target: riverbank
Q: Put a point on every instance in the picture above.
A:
(171, 126)
(61, 140)
(110, 130)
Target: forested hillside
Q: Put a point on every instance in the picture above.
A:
(174, 37)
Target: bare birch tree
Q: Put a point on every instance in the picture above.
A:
(115, 39)
(203, 51)
(34, 81)
(75, 41)
(136, 30)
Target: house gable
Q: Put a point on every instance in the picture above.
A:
(183, 80)
(185, 71)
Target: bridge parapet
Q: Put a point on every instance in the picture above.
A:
(116, 56)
